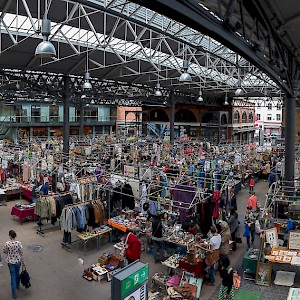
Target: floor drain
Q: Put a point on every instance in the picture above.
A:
(35, 248)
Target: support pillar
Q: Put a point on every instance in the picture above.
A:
(81, 120)
(30, 134)
(172, 117)
(289, 168)
(66, 121)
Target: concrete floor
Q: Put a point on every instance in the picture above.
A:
(56, 273)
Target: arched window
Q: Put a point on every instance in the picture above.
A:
(158, 115)
(185, 115)
(223, 119)
(251, 117)
(236, 117)
(244, 117)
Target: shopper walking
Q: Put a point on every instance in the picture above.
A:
(157, 238)
(226, 273)
(233, 222)
(251, 184)
(14, 251)
(250, 222)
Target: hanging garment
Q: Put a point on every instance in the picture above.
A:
(183, 197)
(215, 199)
(127, 197)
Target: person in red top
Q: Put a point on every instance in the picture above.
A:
(133, 246)
(252, 201)
(251, 184)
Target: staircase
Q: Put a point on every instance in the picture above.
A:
(159, 131)
(5, 126)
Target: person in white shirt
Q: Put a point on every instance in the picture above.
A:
(14, 251)
(213, 253)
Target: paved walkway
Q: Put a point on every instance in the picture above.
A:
(57, 273)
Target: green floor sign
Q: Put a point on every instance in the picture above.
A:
(130, 283)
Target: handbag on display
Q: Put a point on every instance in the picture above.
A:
(25, 278)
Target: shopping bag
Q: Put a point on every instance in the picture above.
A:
(25, 278)
(247, 231)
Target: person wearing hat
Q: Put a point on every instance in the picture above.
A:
(250, 221)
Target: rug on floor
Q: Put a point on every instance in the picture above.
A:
(243, 294)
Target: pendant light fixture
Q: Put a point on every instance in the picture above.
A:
(158, 92)
(45, 49)
(87, 85)
(239, 91)
(226, 100)
(200, 98)
(185, 77)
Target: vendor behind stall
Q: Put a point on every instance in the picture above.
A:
(133, 246)
(213, 253)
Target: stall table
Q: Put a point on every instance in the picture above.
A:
(250, 262)
(23, 213)
(195, 268)
(87, 237)
(14, 192)
(27, 193)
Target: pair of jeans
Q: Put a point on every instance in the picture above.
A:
(158, 247)
(211, 274)
(14, 277)
(252, 234)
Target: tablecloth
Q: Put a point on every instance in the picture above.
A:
(249, 263)
(116, 225)
(23, 213)
(27, 193)
(196, 269)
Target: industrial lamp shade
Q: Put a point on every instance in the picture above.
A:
(185, 77)
(87, 85)
(45, 49)
(158, 92)
(226, 101)
(200, 98)
(92, 102)
(239, 92)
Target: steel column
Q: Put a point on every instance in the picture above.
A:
(81, 120)
(289, 168)
(66, 120)
(172, 117)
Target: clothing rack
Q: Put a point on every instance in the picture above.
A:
(67, 245)
(41, 231)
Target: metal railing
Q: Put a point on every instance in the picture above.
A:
(53, 119)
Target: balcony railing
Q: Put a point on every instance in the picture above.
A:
(54, 119)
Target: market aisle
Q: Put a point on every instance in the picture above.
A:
(273, 292)
(57, 273)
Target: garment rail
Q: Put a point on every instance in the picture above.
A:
(42, 230)
(65, 244)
